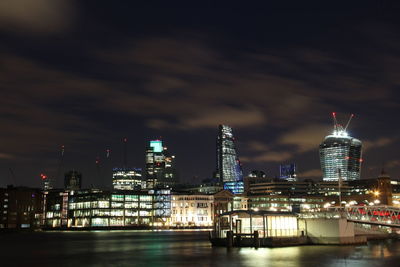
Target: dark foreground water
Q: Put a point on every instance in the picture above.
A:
(176, 248)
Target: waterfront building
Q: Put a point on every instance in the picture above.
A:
(160, 166)
(225, 201)
(127, 179)
(20, 207)
(106, 209)
(277, 195)
(340, 155)
(288, 172)
(191, 210)
(229, 170)
(73, 180)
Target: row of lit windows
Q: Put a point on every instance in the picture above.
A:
(198, 212)
(186, 205)
(192, 198)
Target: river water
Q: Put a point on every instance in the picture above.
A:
(177, 248)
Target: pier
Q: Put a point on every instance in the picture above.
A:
(249, 228)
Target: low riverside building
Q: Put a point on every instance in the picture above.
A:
(276, 195)
(191, 210)
(199, 210)
(225, 201)
(107, 209)
(20, 207)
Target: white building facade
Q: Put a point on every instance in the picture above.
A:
(191, 210)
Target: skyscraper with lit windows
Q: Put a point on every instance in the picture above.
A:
(340, 155)
(229, 170)
(160, 166)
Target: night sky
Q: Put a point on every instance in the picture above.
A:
(86, 74)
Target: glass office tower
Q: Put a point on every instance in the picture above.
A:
(229, 170)
(340, 156)
(160, 166)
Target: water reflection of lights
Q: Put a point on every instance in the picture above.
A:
(288, 256)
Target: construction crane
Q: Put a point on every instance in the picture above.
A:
(98, 167)
(338, 127)
(348, 122)
(334, 121)
(59, 169)
(13, 179)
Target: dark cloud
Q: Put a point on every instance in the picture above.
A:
(270, 156)
(124, 76)
(313, 173)
(306, 138)
(379, 143)
(36, 16)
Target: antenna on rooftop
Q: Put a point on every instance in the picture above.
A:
(125, 140)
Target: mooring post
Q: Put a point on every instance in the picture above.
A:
(229, 239)
(256, 240)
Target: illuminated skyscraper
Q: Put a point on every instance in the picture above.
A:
(340, 155)
(229, 170)
(160, 166)
(127, 178)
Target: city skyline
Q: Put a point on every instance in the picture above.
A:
(95, 74)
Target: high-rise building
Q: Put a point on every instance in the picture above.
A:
(47, 182)
(127, 179)
(288, 172)
(340, 155)
(160, 166)
(20, 207)
(73, 180)
(229, 170)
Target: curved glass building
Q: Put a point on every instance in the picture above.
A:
(340, 156)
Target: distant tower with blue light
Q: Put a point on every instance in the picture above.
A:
(229, 170)
(340, 154)
(288, 172)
